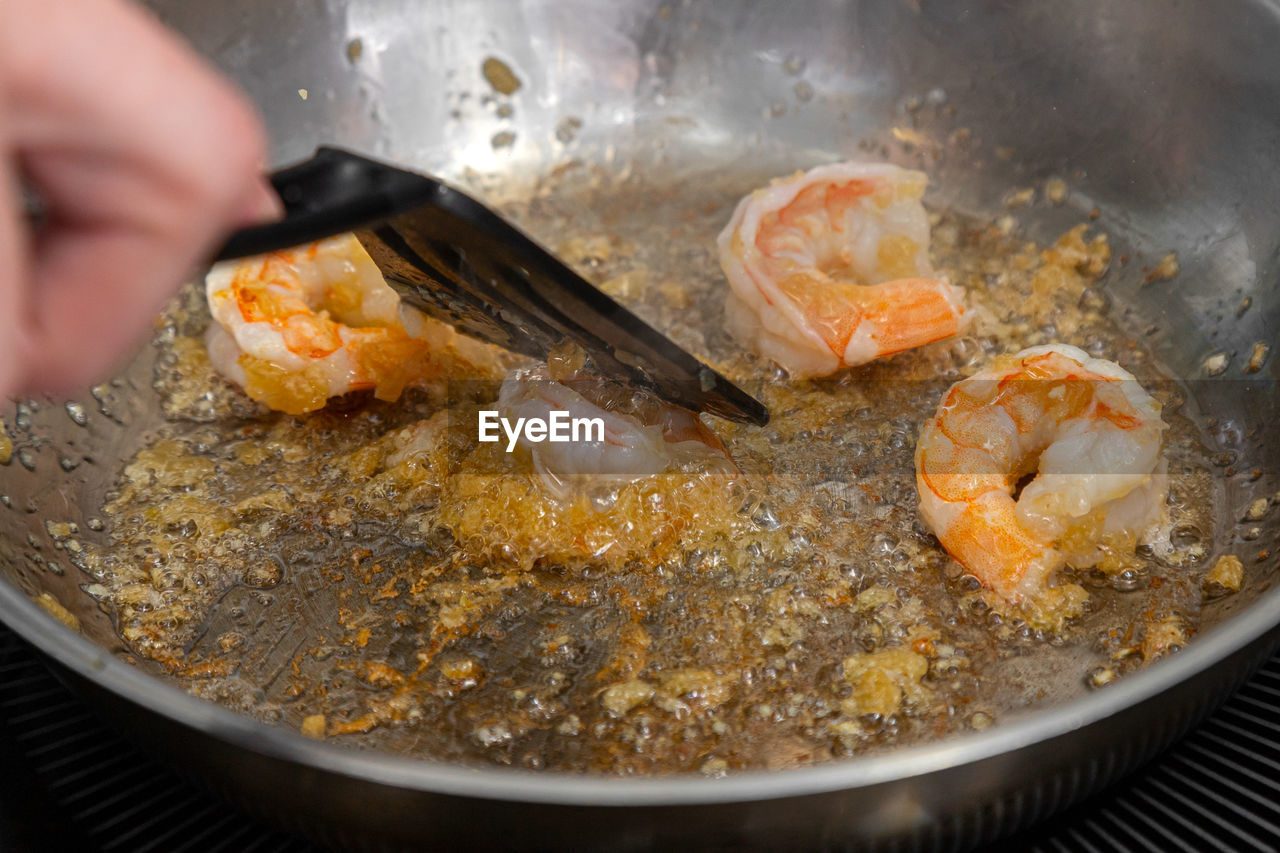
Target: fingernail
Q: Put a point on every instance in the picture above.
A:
(262, 205)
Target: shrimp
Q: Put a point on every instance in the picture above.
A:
(642, 435)
(295, 328)
(1090, 434)
(655, 484)
(830, 268)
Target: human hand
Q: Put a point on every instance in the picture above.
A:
(144, 158)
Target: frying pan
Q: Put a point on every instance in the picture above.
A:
(1164, 115)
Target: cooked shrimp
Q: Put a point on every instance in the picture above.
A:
(642, 435)
(830, 268)
(295, 328)
(1087, 430)
(657, 483)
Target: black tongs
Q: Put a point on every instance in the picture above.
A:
(460, 262)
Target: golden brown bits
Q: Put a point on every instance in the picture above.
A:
(1227, 574)
(1020, 198)
(361, 724)
(1101, 676)
(1217, 363)
(924, 646)
(263, 575)
(911, 136)
(313, 727)
(500, 76)
(1055, 606)
(587, 250)
(55, 609)
(1055, 189)
(170, 465)
(362, 462)
(875, 596)
(206, 669)
(675, 293)
(883, 680)
(630, 654)
(231, 640)
(378, 674)
(250, 453)
(704, 685)
(1257, 356)
(1163, 637)
(1257, 510)
(465, 671)
(273, 499)
(1163, 271)
(628, 285)
(621, 698)
(1089, 258)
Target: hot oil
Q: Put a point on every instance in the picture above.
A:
(285, 567)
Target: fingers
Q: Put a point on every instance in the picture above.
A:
(145, 157)
(12, 276)
(262, 205)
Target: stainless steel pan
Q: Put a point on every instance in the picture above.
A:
(1165, 115)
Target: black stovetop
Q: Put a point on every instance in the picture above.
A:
(68, 782)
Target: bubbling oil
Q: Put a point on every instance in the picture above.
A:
(371, 574)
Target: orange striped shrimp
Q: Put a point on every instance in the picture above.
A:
(830, 268)
(295, 328)
(1087, 430)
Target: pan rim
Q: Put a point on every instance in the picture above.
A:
(133, 685)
